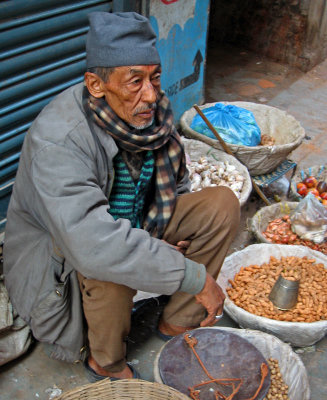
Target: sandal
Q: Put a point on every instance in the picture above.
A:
(92, 376)
(163, 336)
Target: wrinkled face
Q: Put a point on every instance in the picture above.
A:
(132, 93)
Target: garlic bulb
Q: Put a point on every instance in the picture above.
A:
(203, 173)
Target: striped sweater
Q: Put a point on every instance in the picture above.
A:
(128, 197)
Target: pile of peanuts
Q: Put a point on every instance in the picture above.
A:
(252, 285)
(278, 390)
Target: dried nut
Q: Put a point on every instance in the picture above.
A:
(252, 285)
(278, 389)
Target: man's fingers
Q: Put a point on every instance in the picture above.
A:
(184, 244)
(209, 321)
(181, 246)
(220, 309)
(206, 322)
(212, 298)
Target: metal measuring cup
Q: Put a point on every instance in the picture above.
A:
(284, 293)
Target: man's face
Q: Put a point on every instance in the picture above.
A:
(132, 93)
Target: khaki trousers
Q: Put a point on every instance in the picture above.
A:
(209, 219)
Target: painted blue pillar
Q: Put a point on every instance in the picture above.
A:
(181, 27)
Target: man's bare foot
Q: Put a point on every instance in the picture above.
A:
(173, 330)
(126, 373)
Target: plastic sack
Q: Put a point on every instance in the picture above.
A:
(234, 124)
(15, 335)
(309, 219)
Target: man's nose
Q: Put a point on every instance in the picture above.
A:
(149, 93)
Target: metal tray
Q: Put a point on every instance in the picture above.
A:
(224, 355)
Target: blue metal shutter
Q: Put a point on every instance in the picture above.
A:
(42, 52)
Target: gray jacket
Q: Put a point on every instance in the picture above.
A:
(58, 223)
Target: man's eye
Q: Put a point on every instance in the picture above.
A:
(156, 78)
(136, 81)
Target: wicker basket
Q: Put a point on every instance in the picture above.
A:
(284, 128)
(319, 171)
(261, 219)
(129, 389)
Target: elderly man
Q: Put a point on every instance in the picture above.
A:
(101, 208)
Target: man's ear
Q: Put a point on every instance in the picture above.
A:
(94, 84)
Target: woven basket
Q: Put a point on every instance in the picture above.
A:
(319, 171)
(129, 389)
(284, 128)
(259, 222)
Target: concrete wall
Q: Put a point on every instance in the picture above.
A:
(289, 31)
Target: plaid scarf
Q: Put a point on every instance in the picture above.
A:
(163, 138)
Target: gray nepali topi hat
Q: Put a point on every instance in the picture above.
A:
(118, 39)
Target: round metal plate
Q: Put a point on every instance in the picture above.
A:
(224, 355)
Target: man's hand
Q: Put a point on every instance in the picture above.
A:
(212, 298)
(181, 246)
